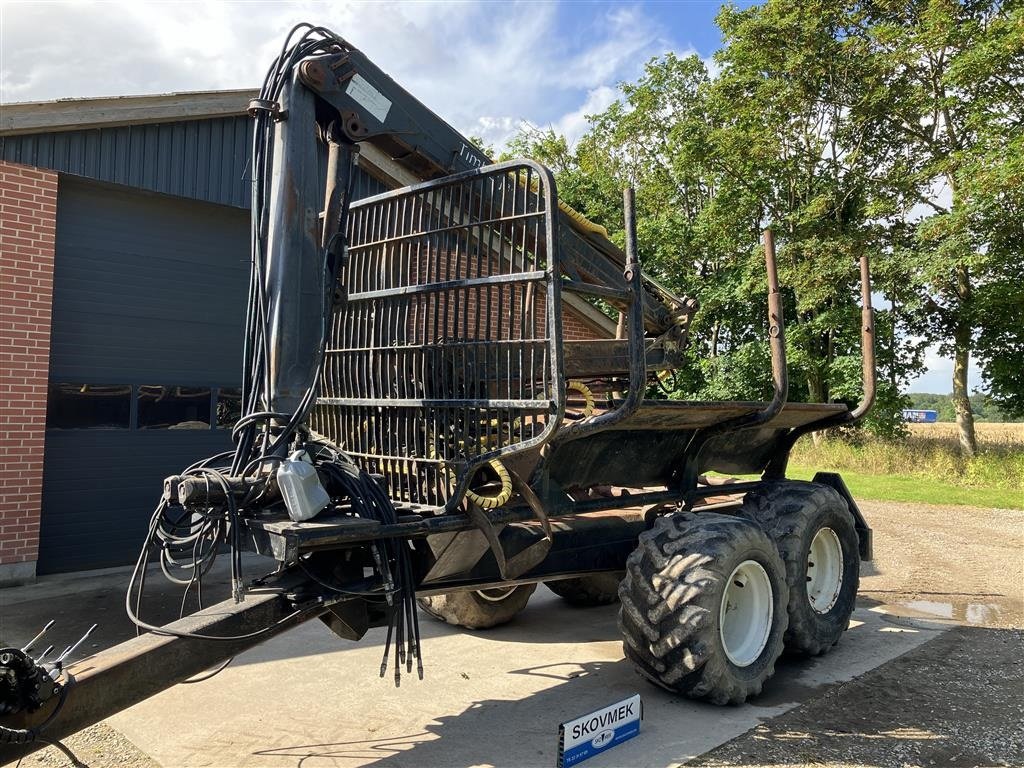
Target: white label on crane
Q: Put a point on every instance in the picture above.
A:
(368, 97)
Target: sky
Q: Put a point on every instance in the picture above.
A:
(483, 66)
(486, 67)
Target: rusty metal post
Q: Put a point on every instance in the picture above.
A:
(867, 343)
(637, 350)
(634, 278)
(776, 333)
(777, 466)
(780, 378)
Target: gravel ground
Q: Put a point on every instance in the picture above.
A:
(963, 564)
(956, 701)
(97, 747)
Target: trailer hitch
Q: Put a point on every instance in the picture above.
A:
(27, 684)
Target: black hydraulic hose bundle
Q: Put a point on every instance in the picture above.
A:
(188, 539)
(369, 500)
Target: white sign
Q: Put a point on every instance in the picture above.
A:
(592, 734)
(368, 97)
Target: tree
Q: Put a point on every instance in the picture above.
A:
(948, 83)
(781, 128)
(697, 228)
(840, 124)
(991, 172)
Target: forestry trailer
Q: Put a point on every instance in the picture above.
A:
(420, 425)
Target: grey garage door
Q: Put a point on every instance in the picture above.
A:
(148, 306)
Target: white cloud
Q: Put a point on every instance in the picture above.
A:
(484, 67)
(938, 375)
(574, 124)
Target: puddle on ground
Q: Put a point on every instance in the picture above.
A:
(989, 611)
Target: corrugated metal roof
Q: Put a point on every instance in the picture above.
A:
(198, 159)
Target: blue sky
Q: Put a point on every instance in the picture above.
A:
(486, 67)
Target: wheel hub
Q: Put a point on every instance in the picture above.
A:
(824, 570)
(745, 619)
(497, 594)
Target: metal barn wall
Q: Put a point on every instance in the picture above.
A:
(201, 159)
(198, 159)
(148, 289)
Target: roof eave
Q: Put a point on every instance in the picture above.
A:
(79, 114)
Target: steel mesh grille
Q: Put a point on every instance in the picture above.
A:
(444, 355)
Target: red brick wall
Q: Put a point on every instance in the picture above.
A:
(576, 328)
(466, 315)
(28, 214)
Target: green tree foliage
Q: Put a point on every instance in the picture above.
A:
(989, 172)
(837, 124)
(947, 80)
(984, 408)
(780, 130)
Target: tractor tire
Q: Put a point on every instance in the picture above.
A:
(815, 534)
(480, 609)
(588, 591)
(704, 606)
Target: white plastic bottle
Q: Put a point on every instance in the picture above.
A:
(303, 495)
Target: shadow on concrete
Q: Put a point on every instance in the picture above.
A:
(953, 701)
(678, 729)
(480, 734)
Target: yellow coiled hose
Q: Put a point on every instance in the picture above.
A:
(588, 396)
(493, 502)
(502, 497)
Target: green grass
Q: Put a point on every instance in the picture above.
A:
(917, 489)
(926, 466)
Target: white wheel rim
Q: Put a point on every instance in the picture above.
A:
(496, 595)
(745, 620)
(824, 570)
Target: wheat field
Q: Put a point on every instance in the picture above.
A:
(988, 433)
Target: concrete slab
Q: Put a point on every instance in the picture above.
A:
(490, 698)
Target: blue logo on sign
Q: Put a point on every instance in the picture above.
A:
(601, 742)
(598, 731)
(602, 739)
